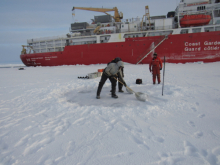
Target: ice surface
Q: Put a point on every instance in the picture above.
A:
(49, 116)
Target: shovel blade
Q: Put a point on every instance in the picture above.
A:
(141, 96)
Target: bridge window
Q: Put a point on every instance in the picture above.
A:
(217, 13)
(217, 28)
(184, 31)
(209, 29)
(196, 30)
(200, 8)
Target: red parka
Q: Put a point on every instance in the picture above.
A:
(155, 65)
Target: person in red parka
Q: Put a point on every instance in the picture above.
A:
(155, 66)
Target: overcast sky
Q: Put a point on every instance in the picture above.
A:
(25, 19)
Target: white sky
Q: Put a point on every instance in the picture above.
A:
(26, 19)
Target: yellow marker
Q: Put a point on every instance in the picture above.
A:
(119, 36)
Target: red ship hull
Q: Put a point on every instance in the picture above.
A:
(180, 48)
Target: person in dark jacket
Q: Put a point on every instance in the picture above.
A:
(111, 72)
(155, 66)
(120, 85)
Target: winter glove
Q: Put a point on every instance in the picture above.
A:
(150, 69)
(160, 68)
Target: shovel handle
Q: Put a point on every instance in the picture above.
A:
(136, 94)
(118, 80)
(123, 84)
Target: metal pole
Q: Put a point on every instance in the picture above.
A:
(178, 20)
(163, 75)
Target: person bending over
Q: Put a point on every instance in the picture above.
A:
(111, 72)
(120, 85)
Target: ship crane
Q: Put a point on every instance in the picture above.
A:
(117, 16)
(147, 14)
(24, 51)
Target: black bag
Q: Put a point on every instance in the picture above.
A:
(138, 81)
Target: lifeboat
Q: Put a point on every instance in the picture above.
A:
(195, 20)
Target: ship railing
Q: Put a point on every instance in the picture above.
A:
(153, 31)
(131, 20)
(195, 13)
(152, 47)
(86, 34)
(153, 28)
(46, 38)
(208, 10)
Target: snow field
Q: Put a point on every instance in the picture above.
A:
(49, 116)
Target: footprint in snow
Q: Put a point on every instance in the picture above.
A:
(198, 134)
(3, 145)
(158, 139)
(70, 148)
(201, 116)
(139, 142)
(169, 158)
(189, 149)
(194, 109)
(191, 123)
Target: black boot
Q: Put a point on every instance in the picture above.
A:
(113, 81)
(114, 96)
(120, 90)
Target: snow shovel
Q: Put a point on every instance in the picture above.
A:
(139, 95)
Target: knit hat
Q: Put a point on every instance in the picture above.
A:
(120, 64)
